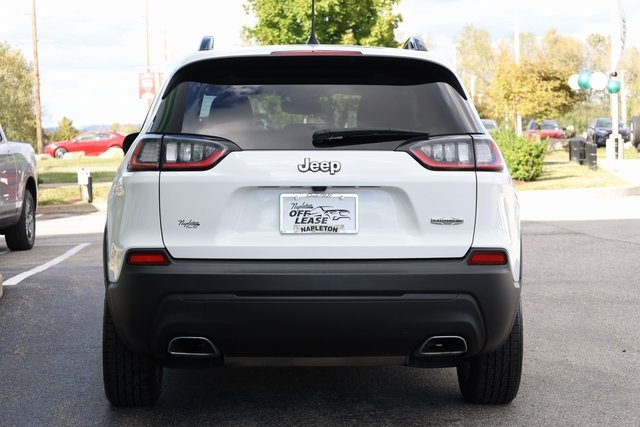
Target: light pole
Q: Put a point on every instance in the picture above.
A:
(618, 37)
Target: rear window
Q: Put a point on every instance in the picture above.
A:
(279, 102)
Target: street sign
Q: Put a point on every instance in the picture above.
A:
(147, 85)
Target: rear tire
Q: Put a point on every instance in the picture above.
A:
(494, 378)
(22, 236)
(130, 379)
(634, 131)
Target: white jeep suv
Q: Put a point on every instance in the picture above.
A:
(312, 205)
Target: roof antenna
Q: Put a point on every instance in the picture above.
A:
(312, 37)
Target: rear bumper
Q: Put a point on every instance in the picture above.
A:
(314, 309)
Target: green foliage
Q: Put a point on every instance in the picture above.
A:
(476, 59)
(65, 130)
(533, 89)
(72, 177)
(365, 22)
(126, 128)
(524, 158)
(630, 63)
(16, 96)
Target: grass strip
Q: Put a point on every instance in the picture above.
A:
(72, 177)
(558, 173)
(70, 194)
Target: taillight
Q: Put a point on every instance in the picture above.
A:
(487, 258)
(488, 156)
(176, 153)
(146, 156)
(147, 258)
(451, 153)
(183, 153)
(458, 153)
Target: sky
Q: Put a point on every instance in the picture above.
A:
(90, 53)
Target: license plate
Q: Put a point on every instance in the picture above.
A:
(318, 213)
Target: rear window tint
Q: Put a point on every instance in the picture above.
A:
(261, 109)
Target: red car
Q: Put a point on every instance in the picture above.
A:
(92, 143)
(546, 129)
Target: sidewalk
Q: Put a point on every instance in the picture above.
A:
(587, 204)
(84, 218)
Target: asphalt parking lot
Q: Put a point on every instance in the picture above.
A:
(582, 351)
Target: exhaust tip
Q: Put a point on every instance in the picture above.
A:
(192, 347)
(447, 345)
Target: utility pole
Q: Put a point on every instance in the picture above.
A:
(36, 79)
(146, 17)
(516, 53)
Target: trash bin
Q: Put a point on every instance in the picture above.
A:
(577, 149)
(85, 181)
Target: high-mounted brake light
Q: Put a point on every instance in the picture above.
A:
(487, 258)
(316, 52)
(176, 153)
(147, 258)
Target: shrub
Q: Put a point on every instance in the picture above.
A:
(524, 157)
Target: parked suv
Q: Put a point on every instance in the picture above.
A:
(600, 129)
(312, 205)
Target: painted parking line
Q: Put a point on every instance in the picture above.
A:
(39, 269)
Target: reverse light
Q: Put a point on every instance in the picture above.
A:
(448, 153)
(487, 258)
(182, 153)
(147, 258)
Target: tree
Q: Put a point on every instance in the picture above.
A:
(533, 89)
(365, 22)
(475, 60)
(598, 53)
(16, 94)
(125, 128)
(65, 130)
(630, 64)
(566, 54)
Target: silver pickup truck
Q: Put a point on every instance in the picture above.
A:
(18, 193)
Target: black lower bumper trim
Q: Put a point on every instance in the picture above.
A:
(307, 309)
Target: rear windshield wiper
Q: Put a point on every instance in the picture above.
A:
(329, 137)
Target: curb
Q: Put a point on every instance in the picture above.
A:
(76, 208)
(601, 192)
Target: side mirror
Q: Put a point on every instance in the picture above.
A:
(128, 140)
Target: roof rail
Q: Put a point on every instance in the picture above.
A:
(415, 43)
(206, 43)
